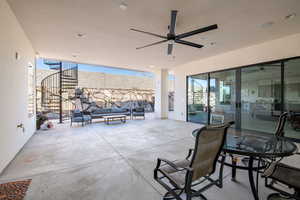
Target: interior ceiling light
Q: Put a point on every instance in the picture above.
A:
(151, 66)
(171, 42)
(75, 55)
(123, 6)
(290, 16)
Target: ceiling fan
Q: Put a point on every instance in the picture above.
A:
(173, 38)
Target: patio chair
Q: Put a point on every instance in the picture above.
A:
(181, 177)
(284, 174)
(279, 131)
(295, 120)
(79, 117)
(138, 112)
(280, 125)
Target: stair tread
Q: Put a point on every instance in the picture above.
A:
(69, 81)
(51, 95)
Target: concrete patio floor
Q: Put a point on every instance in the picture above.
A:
(110, 162)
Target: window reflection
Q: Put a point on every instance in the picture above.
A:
(197, 99)
(292, 97)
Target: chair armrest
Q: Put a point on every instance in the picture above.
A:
(269, 170)
(171, 164)
(189, 154)
(86, 112)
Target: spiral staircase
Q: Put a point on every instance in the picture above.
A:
(58, 88)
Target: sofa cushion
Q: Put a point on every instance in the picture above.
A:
(117, 110)
(77, 119)
(82, 118)
(87, 117)
(102, 110)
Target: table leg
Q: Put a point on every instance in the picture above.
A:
(251, 178)
(233, 169)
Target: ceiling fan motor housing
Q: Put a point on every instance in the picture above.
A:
(171, 36)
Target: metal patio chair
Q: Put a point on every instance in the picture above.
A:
(280, 124)
(179, 178)
(78, 117)
(279, 173)
(279, 131)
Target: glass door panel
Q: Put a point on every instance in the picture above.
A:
(197, 99)
(292, 97)
(222, 97)
(261, 97)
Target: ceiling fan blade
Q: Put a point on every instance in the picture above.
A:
(170, 49)
(173, 22)
(149, 45)
(148, 33)
(201, 30)
(189, 43)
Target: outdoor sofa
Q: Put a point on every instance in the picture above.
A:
(101, 112)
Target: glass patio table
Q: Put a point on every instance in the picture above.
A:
(255, 147)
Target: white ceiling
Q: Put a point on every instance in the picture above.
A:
(52, 26)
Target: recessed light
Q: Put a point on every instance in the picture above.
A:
(81, 35)
(290, 16)
(267, 24)
(152, 66)
(75, 55)
(123, 6)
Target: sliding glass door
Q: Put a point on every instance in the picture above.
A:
(222, 96)
(197, 99)
(252, 96)
(292, 97)
(260, 97)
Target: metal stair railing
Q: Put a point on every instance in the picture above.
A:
(55, 85)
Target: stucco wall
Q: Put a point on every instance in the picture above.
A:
(13, 86)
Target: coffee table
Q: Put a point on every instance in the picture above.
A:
(110, 118)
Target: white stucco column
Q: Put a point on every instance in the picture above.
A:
(161, 94)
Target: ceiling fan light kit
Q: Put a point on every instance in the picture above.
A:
(172, 38)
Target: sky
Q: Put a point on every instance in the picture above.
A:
(102, 69)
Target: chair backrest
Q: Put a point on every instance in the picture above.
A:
(139, 109)
(280, 124)
(77, 113)
(208, 146)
